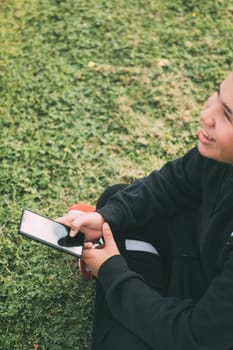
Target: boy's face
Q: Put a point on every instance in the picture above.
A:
(215, 139)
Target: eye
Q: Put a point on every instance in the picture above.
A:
(227, 115)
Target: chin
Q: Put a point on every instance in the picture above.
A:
(203, 151)
(206, 152)
(214, 155)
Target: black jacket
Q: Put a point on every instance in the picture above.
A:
(199, 316)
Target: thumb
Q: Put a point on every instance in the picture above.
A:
(109, 241)
(107, 234)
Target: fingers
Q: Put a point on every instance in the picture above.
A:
(70, 221)
(94, 256)
(109, 240)
(107, 233)
(88, 223)
(75, 226)
(88, 245)
(65, 220)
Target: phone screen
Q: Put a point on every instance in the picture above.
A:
(50, 232)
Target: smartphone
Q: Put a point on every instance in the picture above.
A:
(50, 232)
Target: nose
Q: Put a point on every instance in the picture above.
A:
(210, 110)
(207, 117)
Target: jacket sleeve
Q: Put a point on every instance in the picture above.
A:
(168, 323)
(163, 193)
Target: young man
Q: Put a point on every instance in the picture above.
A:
(165, 281)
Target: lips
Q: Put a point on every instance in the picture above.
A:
(206, 135)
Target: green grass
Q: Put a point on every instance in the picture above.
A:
(91, 93)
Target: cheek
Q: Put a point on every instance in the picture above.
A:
(225, 143)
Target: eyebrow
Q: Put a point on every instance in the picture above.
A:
(225, 106)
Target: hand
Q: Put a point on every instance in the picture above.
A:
(95, 257)
(88, 223)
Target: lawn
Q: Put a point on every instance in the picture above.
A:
(91, 93)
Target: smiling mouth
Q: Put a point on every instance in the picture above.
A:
(205, 133)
